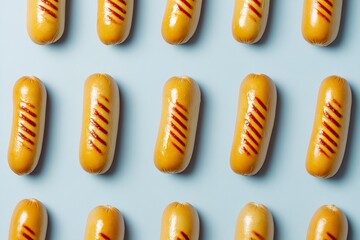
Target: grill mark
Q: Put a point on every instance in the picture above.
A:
(251, 137)
(103, 107)
(252, 8)
(183, 10)
(261, 103)
(326, 145)
(186, 3)
(177, 129)
(328, 116)
(258, 111)
(29, 104)
(178, 148)
(323, 152)
(97, 137)
(95, 147)
(331, 129)
(253, 18)
(103, 235)
(105, 98)
(328, 2)
(257, 2)
(322, 6)
(177, 138)
(28, 131)
(23, 145)
(184, 235)
(322, 15)
(92, 121)
(28, 120)
(123, 2)
(25, 138)
(329, 138)
(28, 229)
(28, 111)
(178, 121)
(48, 11)
(180, 113)
(250, 146)
(181, 106)
(118, 7)
(246, 151)
(96, 113)
(28, 237)
(331, 236)
(334, 110)
(255, 120)
(50, 4)
(336, 102)
(253, 129)
(115, 14)
(258, 235)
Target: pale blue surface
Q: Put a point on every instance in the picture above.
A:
(141, 66)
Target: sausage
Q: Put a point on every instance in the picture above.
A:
(29, 110)
(255, 222)
(45, 20)
(105, 222)
(100, 123)
(114, 20)
(328, 141)
(249, 20)
(329, 222)
(29, 220)
(180, 20)
(255, 120)
(180, 112)
(180, 221)
(321, 21)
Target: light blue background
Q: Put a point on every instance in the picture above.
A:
(141, 66)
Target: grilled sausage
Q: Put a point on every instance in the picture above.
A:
(180, 221)
(29, 221)
(329, 222)
(255, 120)
(105, 222)
(29, 103)
(114, 20)
(45, 20)
(249, 20)
(100, 123)
(321, 21)
(328, 142)
(255, 222)
(180, 20)
(180, 111)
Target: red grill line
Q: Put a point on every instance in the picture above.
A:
(186, 3)
(23, 145)
(178, 121)
(26, 236)
(258, 112)
(181, 106)
(246, 151)
(29, 229)
(251, 137)
(184, 11)
(252, 8)
(329, 138)
(331, 236)
(253, 129)
(177, 138)
(328, 2)
(328, 116)
(255, 120)
(94, 146)
(117, 6)
(25, 138)
(97, 137)
(322, 15)
(116, 14)
(103, 107)
(323, 152)
(123, 2)
(96, 113)
(326, 145)
(178, 148)
(257, 2)
(261, 103)
(103, 235)
(105, 98)
(185, 235)
(180, 113)
(334, 110)
(331, 129)
(337, 103)
(28, 131)
(98, 126)
(324, 8)
(47, 11)
(177, 129)
(250, 146)
(50, 4)
(258, 235)
(28, 111)
(28, 120)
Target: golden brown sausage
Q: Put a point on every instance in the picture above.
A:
(180, 221)
(45, 20)
(255, 222)
(29, 221)
(329, 222)
(328, 142)
(255, 120)
(100, 123)
(249, 20)
(321, 21)
(180, 112)
(114, 20)
(105, 222)
(180, 20)
(29, 103)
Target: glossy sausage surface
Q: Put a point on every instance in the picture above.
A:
(100, 123)
(29, 221)
(255, 222)
(45, 20)
(114, 20)
(329, 222)
(180, 20)
(29, 110)
(180, 112)
(104, 223)
(249, 20)
(328, 141)
(255, 120)
(321, 21)
(180, 221)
